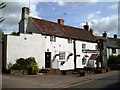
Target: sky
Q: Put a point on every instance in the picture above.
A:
(101, 16)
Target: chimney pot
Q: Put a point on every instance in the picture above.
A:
(91, 30)
(115, 36)
(104, 34)
(61, 21)
(86, 27)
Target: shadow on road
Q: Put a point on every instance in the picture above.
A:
(115, 85)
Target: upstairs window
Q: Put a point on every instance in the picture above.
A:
(53, 38)
(83, 46)
(69, 40)
(61, 55)
(113, 50)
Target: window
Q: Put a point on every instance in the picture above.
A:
(113, 50)
(69, 40)
(61, 55)
(83, 61)
(53, 38)
(83, 46)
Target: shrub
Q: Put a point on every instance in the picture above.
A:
(118, 59)
(10, 65)
(33, 68)
(16, 67)
(114, 59)
(30, 60)
(28, 64)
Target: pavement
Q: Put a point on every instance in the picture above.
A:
(48, 81)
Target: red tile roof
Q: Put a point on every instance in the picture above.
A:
(53, 28)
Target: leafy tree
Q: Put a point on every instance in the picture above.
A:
(1, 34)
(2, 5)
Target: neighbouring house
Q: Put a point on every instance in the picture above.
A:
(111, 45)
(53, 44)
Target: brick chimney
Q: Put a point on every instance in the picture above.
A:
(24, 20)
(25, 12)
(61, 21)
(105, 34)
(115, 36)
(86, 27)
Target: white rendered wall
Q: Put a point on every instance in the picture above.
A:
(35, 45)
(90, 46)
(19, 47)
(109, 52)
(61, 44)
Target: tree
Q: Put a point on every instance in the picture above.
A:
(2, 5)
(1, 34)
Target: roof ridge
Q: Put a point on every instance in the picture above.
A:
(53, 28)
(57, 23)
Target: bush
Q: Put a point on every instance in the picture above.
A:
(118, 59)
(28, 64)
(30, 60)
(114, 59)
(16, 67)
(33, 68)
(10, 65)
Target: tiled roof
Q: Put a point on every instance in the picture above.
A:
(111, 42)
(53, 28)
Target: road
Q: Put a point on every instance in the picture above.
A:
(109, 79)
(112, 81)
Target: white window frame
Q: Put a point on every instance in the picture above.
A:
(61, 55)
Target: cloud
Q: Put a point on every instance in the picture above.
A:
(53, 8)
(109, 24)
(12, 14)
(114, 6)
(93, 15)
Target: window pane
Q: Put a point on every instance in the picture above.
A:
(83, 46)
(113, 50)
(61, 55)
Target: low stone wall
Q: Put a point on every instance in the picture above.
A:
(18, 72)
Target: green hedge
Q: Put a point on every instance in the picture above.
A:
(114, 59)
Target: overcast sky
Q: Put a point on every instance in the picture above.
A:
(101, 16)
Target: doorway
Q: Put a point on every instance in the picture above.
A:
(47, 59)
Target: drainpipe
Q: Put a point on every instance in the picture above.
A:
(74, 49)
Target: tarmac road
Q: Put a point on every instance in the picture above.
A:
(59, 81)
(112, 81)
